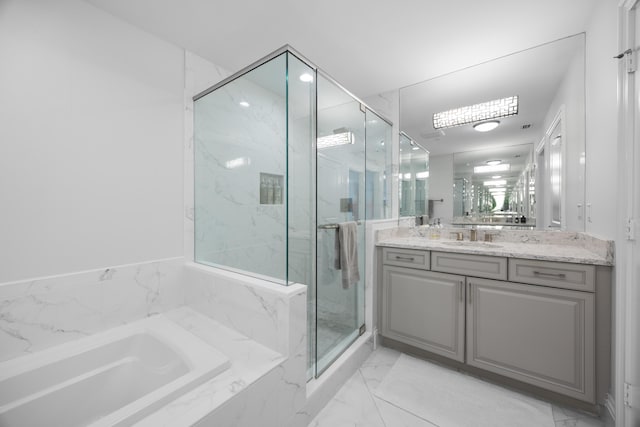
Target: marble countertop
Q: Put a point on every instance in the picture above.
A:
(538, 251)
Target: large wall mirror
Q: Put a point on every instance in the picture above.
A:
(506, 139)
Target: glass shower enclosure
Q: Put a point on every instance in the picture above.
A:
(286, 162)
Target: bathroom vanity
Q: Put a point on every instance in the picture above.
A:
(525, 309)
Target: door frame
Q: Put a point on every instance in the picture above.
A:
(627, 302)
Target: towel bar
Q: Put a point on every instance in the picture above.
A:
(333, 226)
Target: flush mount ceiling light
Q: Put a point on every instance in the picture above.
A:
(484, 111)
(486, 126)
(306, 77)
(493, 162)
(504, 167)
(496, 177)
(244, 104)
(335, 139)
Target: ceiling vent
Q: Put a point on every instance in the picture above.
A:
(432, 135)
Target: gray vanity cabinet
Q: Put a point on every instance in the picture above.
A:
(424, 309)
(536, 334)
(544, 323)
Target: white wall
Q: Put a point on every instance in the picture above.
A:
(90, 141)
(601, 118)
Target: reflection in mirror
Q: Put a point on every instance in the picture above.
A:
(494, 187)
(533, 98)
(413, 178)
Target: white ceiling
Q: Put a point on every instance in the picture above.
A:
(368, 46)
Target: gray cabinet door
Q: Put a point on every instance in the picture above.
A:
(539, 335)
(424, 309)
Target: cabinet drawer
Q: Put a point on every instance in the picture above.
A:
(556, 274)
(406, 257)
(490, 267)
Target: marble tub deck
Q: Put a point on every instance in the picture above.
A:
(250, 362)
(359, 402)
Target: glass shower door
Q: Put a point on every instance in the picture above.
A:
(339, 302)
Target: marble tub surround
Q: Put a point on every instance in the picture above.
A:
(542, 245)
(272, 315)
(39, 313)
(246, 394)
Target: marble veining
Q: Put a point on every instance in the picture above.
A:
(433, 393)
(539, 245)
(36, 314)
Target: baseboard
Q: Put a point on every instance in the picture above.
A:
(609, 415)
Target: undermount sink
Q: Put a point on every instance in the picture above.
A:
(472, 244)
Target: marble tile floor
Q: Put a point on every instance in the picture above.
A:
(357, 404)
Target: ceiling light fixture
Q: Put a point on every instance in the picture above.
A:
(306, 77)
(493, 162)
(335, 139)
(484, 111)
(496, 177)
(244, 104)
(486, 126)
(504, 167)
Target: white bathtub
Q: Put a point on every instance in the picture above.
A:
(113, 378)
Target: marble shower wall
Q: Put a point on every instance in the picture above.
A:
(40, 313)
(235, 145)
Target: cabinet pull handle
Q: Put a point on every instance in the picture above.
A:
(542, 273)
(461, 290)
(470, 293)
(404, 258)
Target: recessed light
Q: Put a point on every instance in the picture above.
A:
(486, 126)
(244, 104)
(496, 177)
(493, 162)
(306, 77)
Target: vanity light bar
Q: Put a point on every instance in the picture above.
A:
(496, 182)
(504, 107)
(503, 167)
(335, 139)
